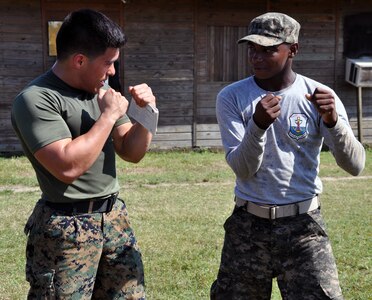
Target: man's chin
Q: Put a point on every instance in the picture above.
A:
(96, 89)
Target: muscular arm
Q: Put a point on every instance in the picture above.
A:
(131, 141)
(68, 158)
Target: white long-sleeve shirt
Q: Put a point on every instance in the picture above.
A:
(280, 165)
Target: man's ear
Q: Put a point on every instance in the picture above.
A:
(78, 60)
(293, 50)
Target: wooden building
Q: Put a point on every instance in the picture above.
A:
(186, 51)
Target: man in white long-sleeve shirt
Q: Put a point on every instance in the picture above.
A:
(273, 125)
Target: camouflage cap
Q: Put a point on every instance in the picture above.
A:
(272, 29)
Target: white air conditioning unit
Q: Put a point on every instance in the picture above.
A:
(359, 72)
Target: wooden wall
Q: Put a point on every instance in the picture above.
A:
(185, 50)
(160, 52)
(21, 59)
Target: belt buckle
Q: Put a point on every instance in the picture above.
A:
(273, 210)
(111, 202)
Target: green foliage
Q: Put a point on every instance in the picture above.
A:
(178, 202)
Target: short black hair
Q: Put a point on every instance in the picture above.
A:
(88, 32)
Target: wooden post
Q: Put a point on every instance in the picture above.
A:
(360, 115)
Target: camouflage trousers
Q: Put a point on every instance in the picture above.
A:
(296, 250)
(88, 256)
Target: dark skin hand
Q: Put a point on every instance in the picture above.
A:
(325, 104)
(267, 110)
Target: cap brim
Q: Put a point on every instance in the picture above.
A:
(260, 40)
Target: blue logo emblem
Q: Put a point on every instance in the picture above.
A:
(298, 126)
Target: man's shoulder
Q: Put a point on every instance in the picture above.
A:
(310, 81)
(242, 82)
(236, 86)
(45, 88)
(37, 85)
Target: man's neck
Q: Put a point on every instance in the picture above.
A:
(60, 70)
(278, 82)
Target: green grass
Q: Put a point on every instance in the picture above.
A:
(178, 202)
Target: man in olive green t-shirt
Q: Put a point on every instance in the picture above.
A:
(71, 126)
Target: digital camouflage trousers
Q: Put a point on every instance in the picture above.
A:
(296, 250)
(88, 256)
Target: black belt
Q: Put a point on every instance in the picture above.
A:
(88, 206)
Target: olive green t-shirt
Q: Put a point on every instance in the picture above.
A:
(48, 110)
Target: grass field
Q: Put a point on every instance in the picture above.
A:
(178, 202)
